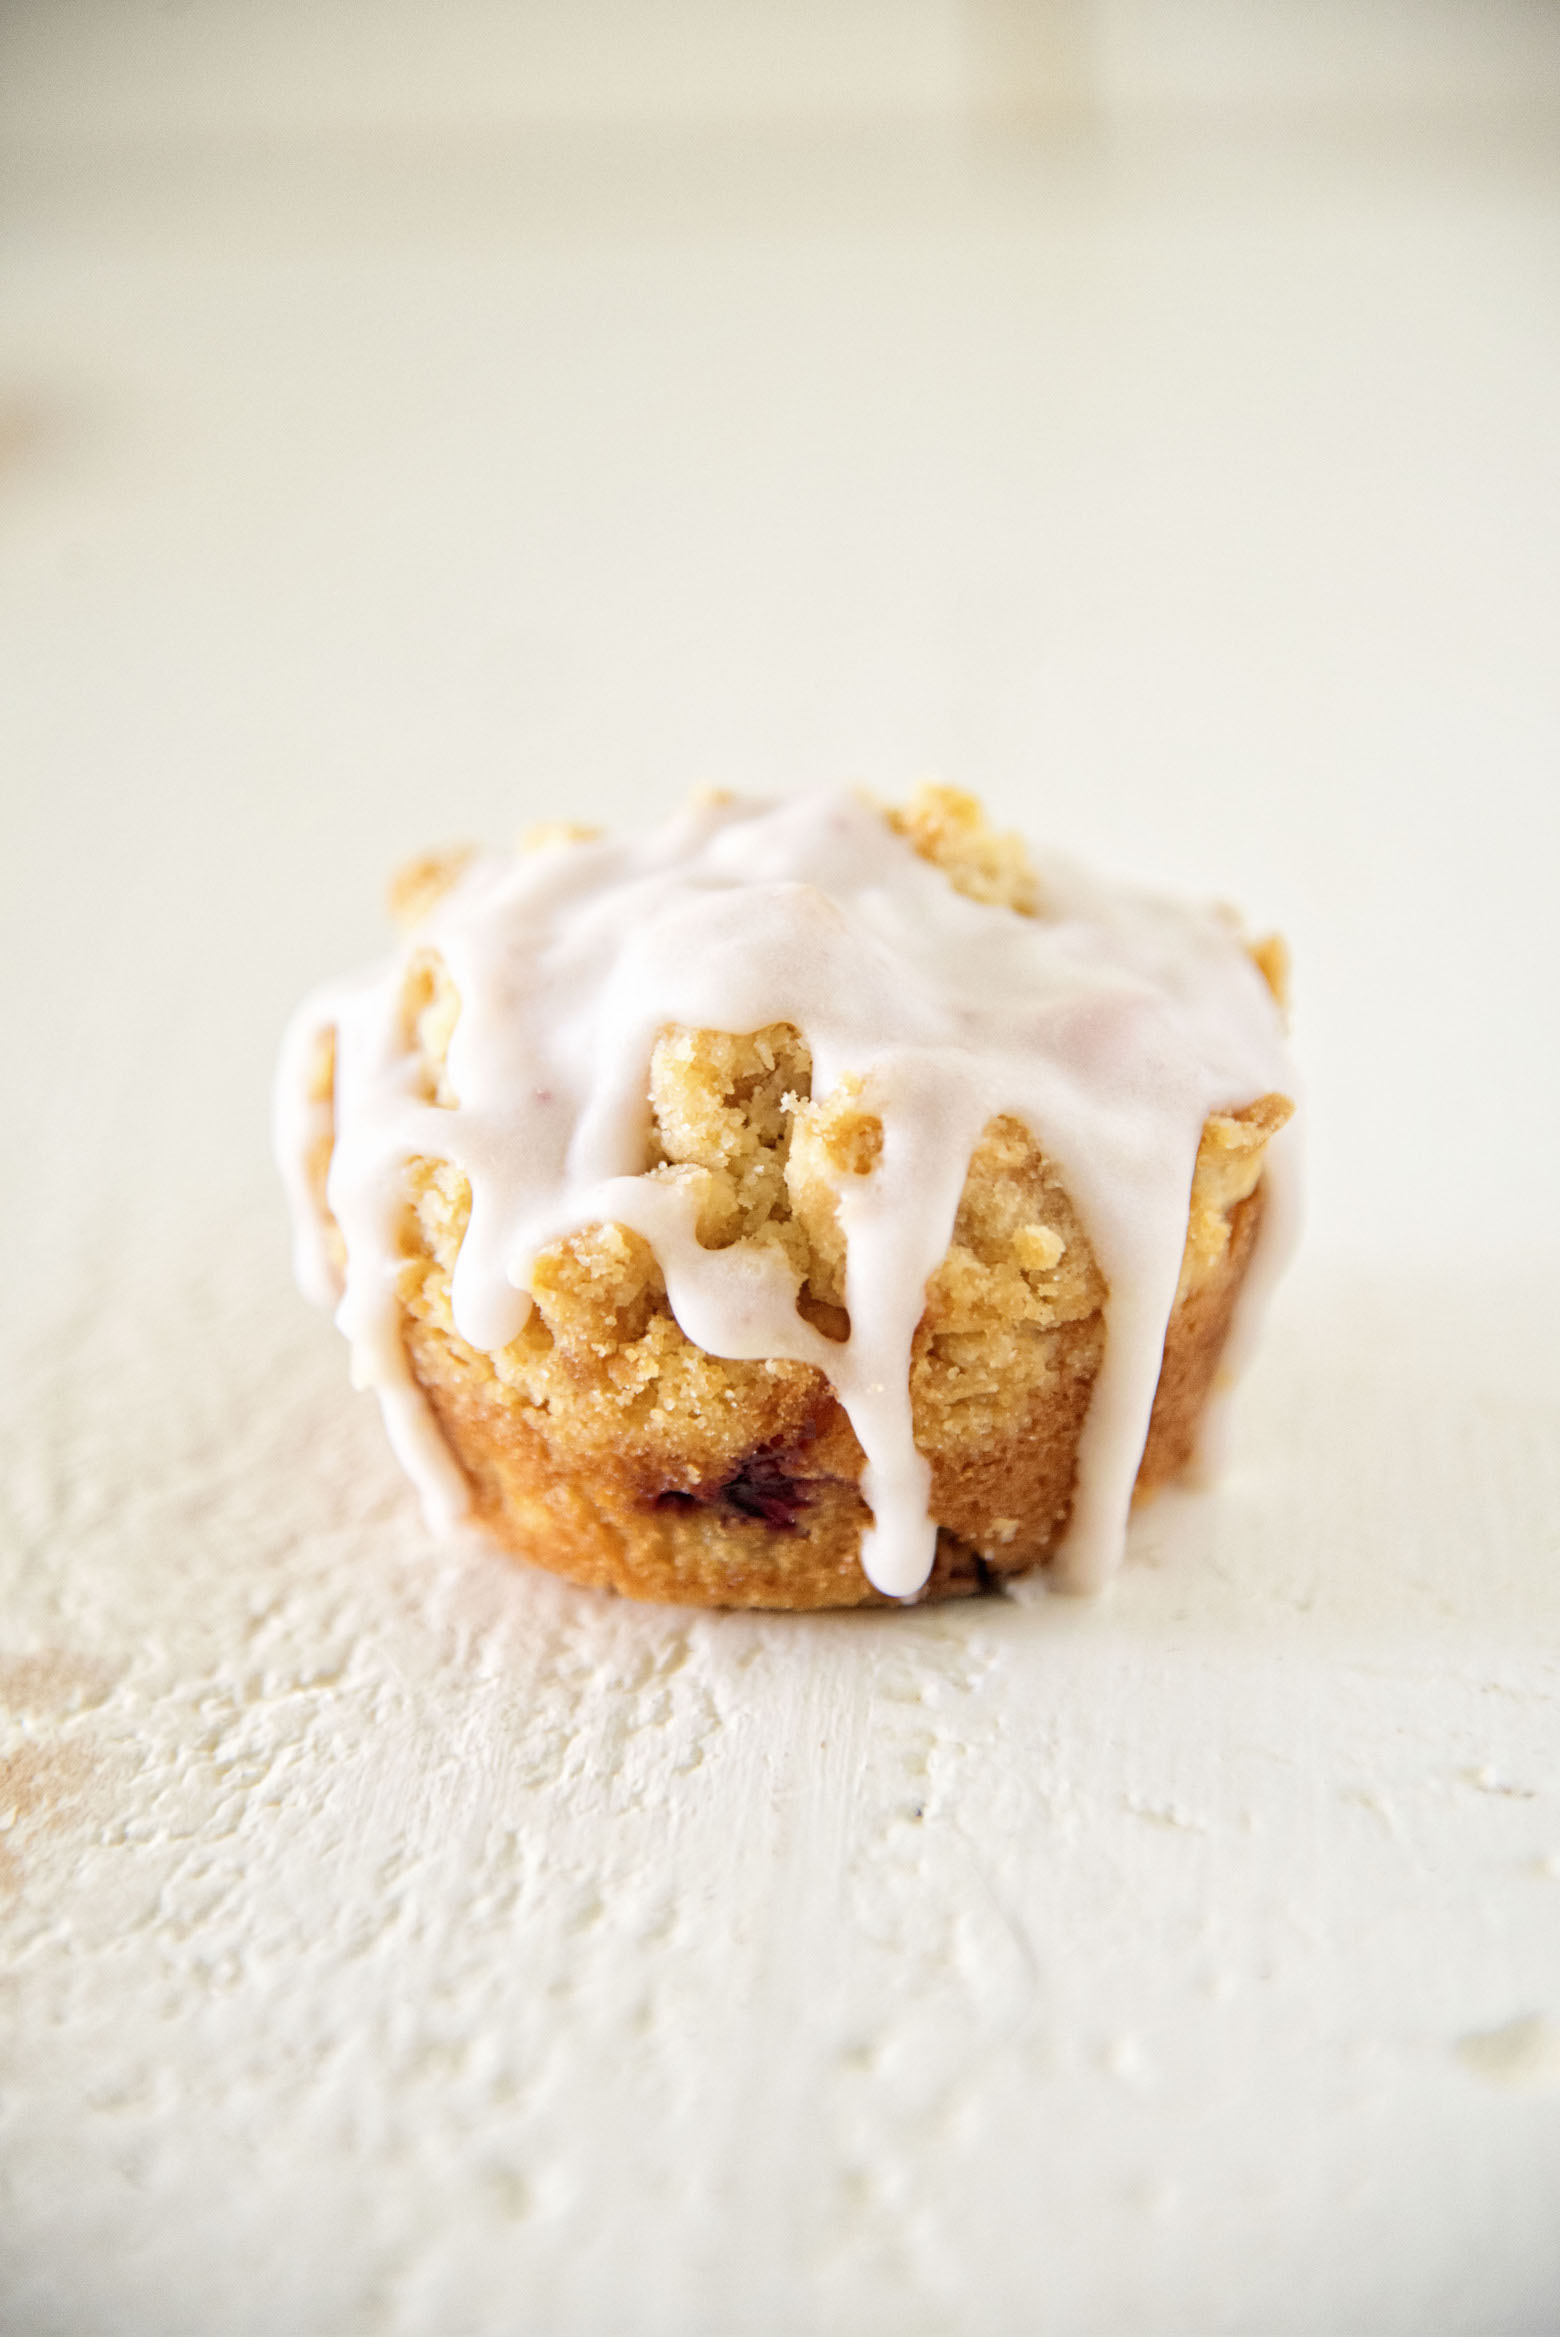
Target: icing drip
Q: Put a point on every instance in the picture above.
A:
(1111, 1025)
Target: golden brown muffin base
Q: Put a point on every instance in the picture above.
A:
(603, 1526)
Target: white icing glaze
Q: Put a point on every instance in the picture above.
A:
(1111, 1025)
(1283, 1209)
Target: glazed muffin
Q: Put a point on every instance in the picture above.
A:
(808, 1207)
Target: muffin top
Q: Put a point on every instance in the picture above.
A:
(939, 980)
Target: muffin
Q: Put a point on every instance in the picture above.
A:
(806, 1206)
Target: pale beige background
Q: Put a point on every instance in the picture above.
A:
(412, 427)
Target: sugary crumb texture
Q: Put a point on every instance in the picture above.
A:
(603, 1444)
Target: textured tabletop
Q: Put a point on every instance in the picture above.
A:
(393, 1940)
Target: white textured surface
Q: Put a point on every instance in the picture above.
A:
(392, 1942)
